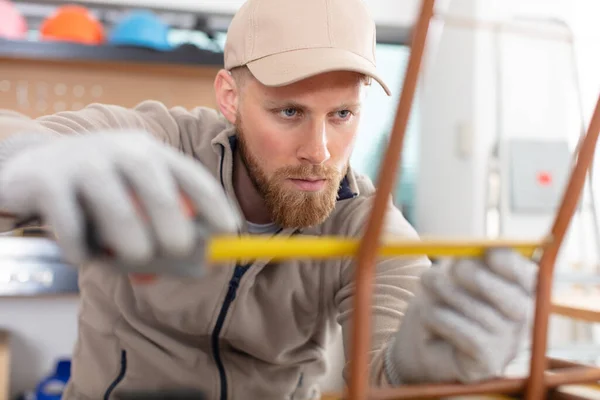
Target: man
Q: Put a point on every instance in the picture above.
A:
(273, 160)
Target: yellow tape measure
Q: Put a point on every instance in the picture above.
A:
(252, 247)
(226, 248)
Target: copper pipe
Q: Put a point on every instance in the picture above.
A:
(571, 375)
(556, 363)
(367, 252)
(558, 395)
(5, 214)
(573, 312)
(436, 391)
(535, 387)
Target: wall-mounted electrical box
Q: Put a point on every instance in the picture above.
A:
(538, 173)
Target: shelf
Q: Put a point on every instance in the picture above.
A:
(186, 54)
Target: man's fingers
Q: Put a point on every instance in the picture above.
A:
(60, 207)
(157, 193)
(505, 296)
(458, 330)
(205, 192)
(32, 192)
(114, 219)
(513, 267)
(445, 291)
(20, 191)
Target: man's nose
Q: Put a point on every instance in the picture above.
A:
(314, 145)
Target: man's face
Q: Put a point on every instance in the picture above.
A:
(296, 141)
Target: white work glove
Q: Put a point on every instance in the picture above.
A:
(70, 180)
(467, 322)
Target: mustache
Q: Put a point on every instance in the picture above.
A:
(308, 172)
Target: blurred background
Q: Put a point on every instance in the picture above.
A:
(506, 90)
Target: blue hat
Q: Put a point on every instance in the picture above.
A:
(141, 29)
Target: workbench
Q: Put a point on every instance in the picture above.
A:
(4, 365)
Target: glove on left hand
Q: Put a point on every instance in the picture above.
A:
(467, 322)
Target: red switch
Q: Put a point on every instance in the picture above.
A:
(544, 178)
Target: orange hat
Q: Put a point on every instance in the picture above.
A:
(72, 23)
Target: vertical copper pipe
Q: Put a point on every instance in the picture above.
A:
(365, 262)
(536, 386)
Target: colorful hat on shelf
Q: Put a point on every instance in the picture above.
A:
(72, 23)
(12, 23)
(141, 28)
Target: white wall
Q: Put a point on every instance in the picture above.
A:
(459, 96)
(445, 206)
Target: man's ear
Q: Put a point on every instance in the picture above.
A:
(227, 95)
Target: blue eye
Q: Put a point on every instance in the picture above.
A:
(344, 114)
(289, 112)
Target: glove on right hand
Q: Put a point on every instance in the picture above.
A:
(68, 179)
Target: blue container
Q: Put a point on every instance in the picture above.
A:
(52, 387)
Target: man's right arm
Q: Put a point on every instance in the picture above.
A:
(18, 131)
(75, 166)
(149, 116)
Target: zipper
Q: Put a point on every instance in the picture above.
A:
(119, 377)
(221, 166)
(234, 283)
(231, 293)
(298, 386)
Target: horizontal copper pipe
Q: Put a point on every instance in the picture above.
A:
(558, 395)
(570, 375)
(574, 312)
(435, 391)
(556, 363)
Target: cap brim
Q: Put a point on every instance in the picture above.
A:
(292, 66)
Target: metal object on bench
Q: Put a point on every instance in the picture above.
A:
(31, 266)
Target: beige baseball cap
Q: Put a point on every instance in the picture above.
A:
(284, 41)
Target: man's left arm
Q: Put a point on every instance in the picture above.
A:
(462, 320)
(394, 285)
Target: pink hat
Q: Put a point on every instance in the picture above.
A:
(12, 22)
